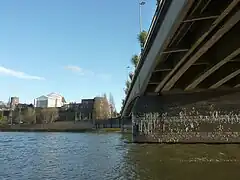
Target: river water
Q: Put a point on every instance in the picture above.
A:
(92, 156)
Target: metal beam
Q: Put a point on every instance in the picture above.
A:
(174, 51)
(162, 70)
(201, 39)
(200, 19)
(227, 78)
(182, 27)
(153, 83)
(200, 63)
(237, 86)
(201, 78)
(152, 94)
(217, 36)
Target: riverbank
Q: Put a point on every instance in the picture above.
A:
(79, 127)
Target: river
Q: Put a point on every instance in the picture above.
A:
(92, 156)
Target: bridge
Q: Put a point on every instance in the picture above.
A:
(188, 74)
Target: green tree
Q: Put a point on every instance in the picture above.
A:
(3, 119)
(135, 60)
(128, 84)
(1, 115)
(123, 101)
(142, 37)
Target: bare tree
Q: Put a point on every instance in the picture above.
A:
(112, 106)
(97, 108)
(53, 114)
(49, 115)
(28, 116)
(105, 107)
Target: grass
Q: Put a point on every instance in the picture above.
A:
(110, 130)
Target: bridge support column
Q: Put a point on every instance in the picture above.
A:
(200, 117)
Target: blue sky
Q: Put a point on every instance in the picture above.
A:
(78, 48)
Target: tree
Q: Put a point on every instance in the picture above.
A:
(131, 75)
(28, 115)
(49, 115)
(128, 83)
(1, 115)
(97, 108)
(142, 37)
(123, 101)
(112, 106)
(126, 91)
(53, 114)
(135, 60)
(105, 107)
(101, 107)
(3, 119)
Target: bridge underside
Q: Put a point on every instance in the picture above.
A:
(203, 53)
(193, 91)
(200, 117)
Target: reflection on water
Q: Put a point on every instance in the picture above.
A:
(186, 161)
(106, 157)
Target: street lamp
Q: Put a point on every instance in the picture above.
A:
(128, 67)
(140, 3)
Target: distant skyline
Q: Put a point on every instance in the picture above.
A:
(79, 49)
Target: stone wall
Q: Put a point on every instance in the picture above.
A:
(200, 117)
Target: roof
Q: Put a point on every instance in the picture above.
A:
(40, 97)
(53, 96)
(56, 95)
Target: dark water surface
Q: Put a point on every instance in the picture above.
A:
(67, 156)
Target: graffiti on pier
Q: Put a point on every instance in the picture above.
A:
(187, 124)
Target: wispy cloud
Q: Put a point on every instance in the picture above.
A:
(88, 73)
(18, 74)
(74, 68)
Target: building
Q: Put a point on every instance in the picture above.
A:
(24, 106)
(88, 109)
(50, 100)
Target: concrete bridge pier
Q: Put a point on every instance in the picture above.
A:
(190, 117)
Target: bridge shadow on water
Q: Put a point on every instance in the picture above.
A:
(184, 161)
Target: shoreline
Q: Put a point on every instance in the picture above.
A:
(56, 129)
(45, 130)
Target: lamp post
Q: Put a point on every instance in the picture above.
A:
(140, 3)
(128, 67)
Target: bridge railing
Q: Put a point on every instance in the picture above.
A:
(157, 20)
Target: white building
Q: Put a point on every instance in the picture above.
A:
(50, 100)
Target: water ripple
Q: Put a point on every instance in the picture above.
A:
(53, 156)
